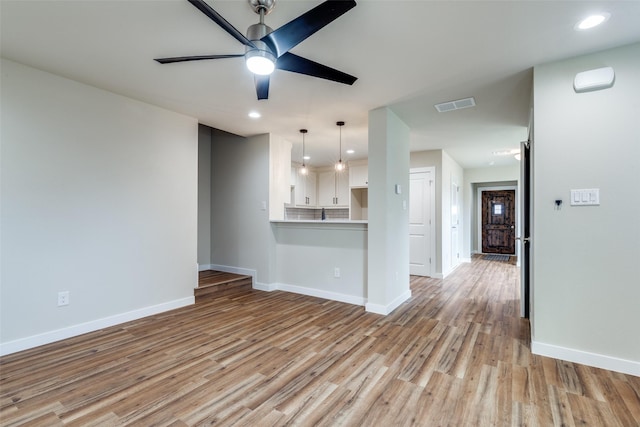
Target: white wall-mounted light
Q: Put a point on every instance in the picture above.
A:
(592, 21)
(600, 78)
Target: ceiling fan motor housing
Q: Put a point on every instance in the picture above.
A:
(254, 33)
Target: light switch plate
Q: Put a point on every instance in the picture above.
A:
(585, 197)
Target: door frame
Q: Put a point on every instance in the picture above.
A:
(479, 214)
(455, 196)
(432, 214)
(526, 220)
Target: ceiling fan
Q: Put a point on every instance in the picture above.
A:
(266, 49)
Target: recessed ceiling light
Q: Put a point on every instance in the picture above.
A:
(307, 157)
(507, 152)
(350, 151)
(592, 21)
(254, 115)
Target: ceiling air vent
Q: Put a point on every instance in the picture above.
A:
(455, 105)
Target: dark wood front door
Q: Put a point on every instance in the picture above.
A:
(498, 222)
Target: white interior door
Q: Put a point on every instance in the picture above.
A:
(420, 223)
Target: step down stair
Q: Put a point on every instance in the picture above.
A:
(213, 284)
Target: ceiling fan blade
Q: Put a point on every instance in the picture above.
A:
(298, 64)
(262, 86)
(194, 58)
(218, 19)
(286, 37)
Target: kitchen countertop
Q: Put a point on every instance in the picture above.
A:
(319, 221)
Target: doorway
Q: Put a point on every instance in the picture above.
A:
(498, 221)
(525, 226)
(421, 221)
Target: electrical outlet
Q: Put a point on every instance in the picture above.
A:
(63, 298)
(336, 272)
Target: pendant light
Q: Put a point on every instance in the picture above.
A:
(340, 166)
(303, 169)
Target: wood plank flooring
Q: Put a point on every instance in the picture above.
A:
(455, 354)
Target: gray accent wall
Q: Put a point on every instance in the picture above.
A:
(204, 195)
(241, 235)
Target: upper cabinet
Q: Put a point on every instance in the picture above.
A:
(333, 189)
(305, 189)
(359, 176)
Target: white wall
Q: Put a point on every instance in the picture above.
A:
(388, 266)
(241, 235)
(451, 173)
(204, 196)
(474, 178)
(99, 198)
(586, 290)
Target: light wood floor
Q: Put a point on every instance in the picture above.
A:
(455, 354)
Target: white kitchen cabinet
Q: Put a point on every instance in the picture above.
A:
(305, 189)
(359, 176)
(333, 189)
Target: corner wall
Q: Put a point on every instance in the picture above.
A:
(586, 289)
(241, 236)
(204, 196)
(388, 240)
(99, 198)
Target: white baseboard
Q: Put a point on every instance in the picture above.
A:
(387, 309)
(204, 267)
(265, 286)
(602, 361)
(438, 276)
(91, 326)
(467, 260)
(235, 270)
(319, 293)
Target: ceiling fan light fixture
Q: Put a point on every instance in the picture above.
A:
(260, 62)
(259, 59)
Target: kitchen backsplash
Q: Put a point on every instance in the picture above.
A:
(306, 214)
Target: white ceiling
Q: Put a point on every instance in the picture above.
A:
(408, 55)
